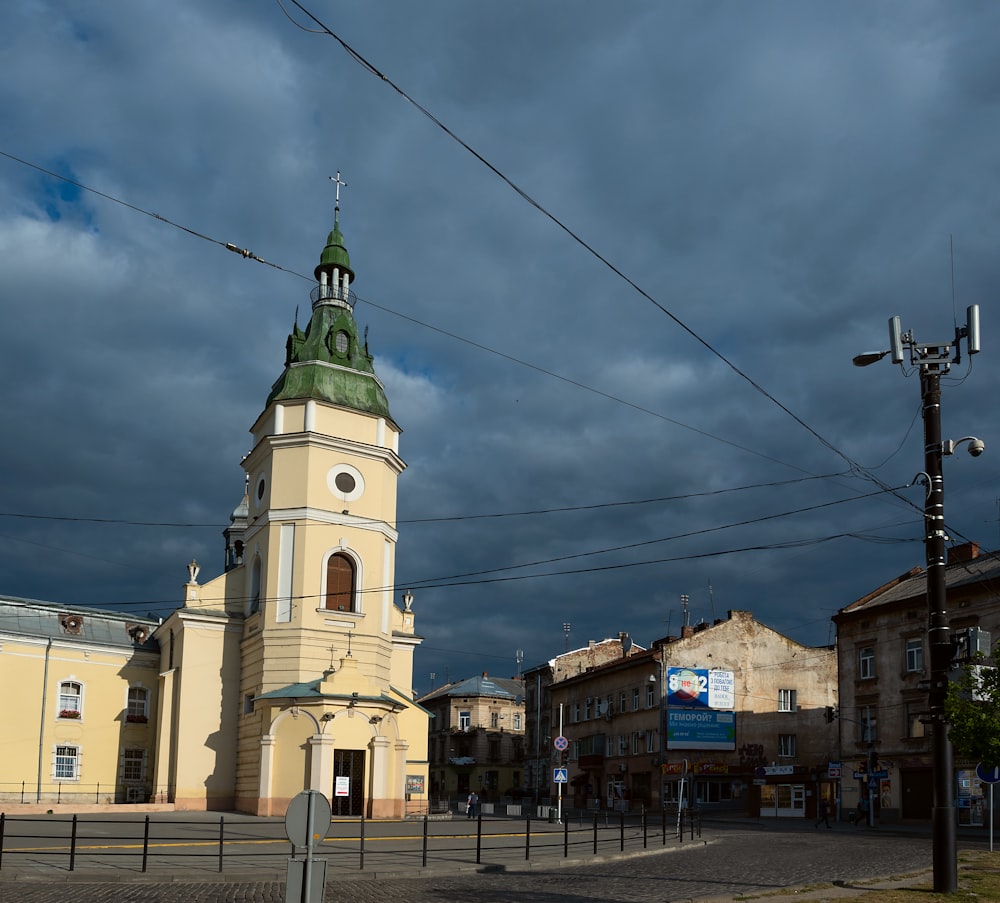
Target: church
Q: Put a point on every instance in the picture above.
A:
(292, 669)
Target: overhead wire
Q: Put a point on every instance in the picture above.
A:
(568, 509)
(708, 346)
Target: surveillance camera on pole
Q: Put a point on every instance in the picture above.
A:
(933, 360)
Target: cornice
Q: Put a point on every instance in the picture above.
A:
(319, 515)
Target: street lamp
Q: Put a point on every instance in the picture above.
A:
(933, 361)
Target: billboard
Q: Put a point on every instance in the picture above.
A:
(701, 688)
(694, 729)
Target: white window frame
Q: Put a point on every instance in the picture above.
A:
(131, 757)
(137, 704)
(517, 721)
(866, 662)
(914, 655)
(651, 744)
(66, 758)
(787, 746)
(464, 720)
(786, 700)
(635, 699)
(622, 702)
(70, 701)
(650, 695)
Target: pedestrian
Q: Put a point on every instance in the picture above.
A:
(472, 805)
(824, 813)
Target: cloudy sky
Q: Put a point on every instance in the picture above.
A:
(614, 262)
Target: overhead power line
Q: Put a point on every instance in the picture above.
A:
(590, 249)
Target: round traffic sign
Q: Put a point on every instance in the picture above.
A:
(307, 819)
(988, 774)
(560, 743)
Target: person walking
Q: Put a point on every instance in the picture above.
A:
(824, 813)
(472, 805)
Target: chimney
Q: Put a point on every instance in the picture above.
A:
(686, 631)
(967, 551)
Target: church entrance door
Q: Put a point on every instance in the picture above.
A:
(349, 782)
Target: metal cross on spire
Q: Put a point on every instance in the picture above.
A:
(338, 182)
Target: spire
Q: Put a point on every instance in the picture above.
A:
(328, 361)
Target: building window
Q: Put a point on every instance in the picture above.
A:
(66, 766)
(622, 702)
(248, 704)
(134, 766)
(464, 720)
(867, 726)
(494, 719)
(517, 721)
(651, 745)
(635, 699)
(576, 711)
(786, 746)
(635, 743)
(866, 662)
(340, 583)
(623, 744)
(254, 604)
(586, 709)
(70, 699)
(786, 700)
(650, 695)
(494, 750)
(574, 750)
(914, 726)
(138, 705)
(914, 655)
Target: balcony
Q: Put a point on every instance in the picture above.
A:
(332, 294)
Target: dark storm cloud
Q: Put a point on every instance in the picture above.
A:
(780, 178)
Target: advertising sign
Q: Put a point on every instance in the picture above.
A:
(700, 688)
(414, 783)
(692, 729)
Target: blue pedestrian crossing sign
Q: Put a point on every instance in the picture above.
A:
(560, 776)
(988, 774)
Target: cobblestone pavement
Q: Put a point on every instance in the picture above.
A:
(725, 864)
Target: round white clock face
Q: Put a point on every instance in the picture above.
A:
(341, 342)
(345, 482)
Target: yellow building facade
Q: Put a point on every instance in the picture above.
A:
(292, 670)
(80, 706)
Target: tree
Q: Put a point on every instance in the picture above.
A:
(973, 710)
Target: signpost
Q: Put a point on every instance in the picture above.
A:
(561, 744)
(306, 823)
(989, 774)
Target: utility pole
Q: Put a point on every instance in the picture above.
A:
(934, 361)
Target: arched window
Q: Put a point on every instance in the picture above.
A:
(340, 583)
(70, 699)
(254, 586)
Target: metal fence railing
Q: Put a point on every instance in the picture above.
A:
(207, 842)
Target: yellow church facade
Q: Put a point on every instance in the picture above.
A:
(292, 669)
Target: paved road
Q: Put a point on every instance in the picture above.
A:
(730, 860)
